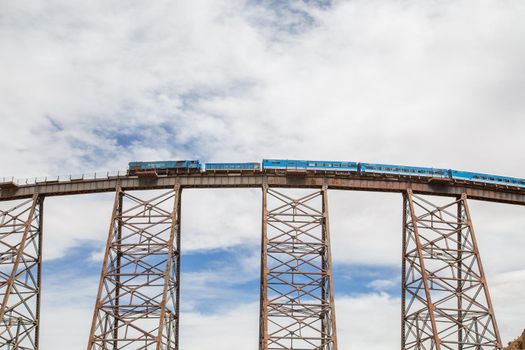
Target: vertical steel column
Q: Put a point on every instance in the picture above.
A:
(328, 321)
(297, 301)
(404, 271)
(446, 301)
(263, 315)
(137, 303)
(459, 268)
(20, 275)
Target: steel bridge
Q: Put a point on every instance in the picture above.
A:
(446, 303)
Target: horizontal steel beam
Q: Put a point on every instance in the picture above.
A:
(351, 182)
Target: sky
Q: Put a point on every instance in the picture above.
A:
(87, 86)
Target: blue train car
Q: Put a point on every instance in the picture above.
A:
(164, 167)
(404, 170)
(487, 178)
(232, 167)
(313, 165)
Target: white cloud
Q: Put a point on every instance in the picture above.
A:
(358, 80)
(383, 284)
(71, 221)
(68, 300)
(90, 86)
(365, 228)
(231, 329)
(508, 296)
(213, 219)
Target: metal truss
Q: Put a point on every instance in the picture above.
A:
(446, 301)
(137, 305)
(20, 275)
(297, 301)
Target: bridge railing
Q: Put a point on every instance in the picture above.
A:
(100, 175)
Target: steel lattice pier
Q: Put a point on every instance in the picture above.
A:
(137, 303)
(20, 275)
(297, 301)
(446, 301)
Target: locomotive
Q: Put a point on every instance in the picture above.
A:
(292, 166)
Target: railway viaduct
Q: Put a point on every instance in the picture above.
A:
(445, 300)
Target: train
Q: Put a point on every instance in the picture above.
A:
(322, 166)
(164, 167)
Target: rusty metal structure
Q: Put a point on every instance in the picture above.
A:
(445, 301)
(297, 299)
(137, 302)
(20, 274)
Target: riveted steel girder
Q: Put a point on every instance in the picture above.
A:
(297, 301)
(446, 301)
(492, 193)
(20, 275)
(138, 297)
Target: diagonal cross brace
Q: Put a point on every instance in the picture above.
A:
(138, 298)
(20, 319)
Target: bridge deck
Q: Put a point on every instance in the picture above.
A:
(9, 191)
